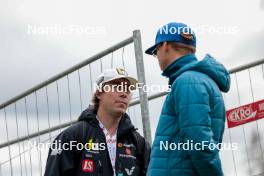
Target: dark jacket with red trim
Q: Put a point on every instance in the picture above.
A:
(132, 151)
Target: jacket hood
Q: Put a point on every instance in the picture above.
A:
(208, 65)
(125, 124)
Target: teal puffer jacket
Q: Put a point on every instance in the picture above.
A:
(193, 114)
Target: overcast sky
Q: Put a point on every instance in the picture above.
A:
(27, 59)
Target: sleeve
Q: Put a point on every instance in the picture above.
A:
(193, 107)
(60, 161)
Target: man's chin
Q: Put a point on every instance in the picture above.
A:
(120, 110)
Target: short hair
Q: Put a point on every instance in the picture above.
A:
(182, 48)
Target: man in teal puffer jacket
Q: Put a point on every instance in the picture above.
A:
(192, 121)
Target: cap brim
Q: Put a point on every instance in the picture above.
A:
(132, 80)
(150, 50)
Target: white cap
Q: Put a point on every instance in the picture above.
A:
(112, 74)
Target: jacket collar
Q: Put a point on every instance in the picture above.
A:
(125, 124)
(172, 70)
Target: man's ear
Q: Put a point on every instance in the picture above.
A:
(166, 46)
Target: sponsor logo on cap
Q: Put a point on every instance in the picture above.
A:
(187, 36)
(120, 71)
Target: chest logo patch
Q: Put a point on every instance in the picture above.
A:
(128, 151)
(130, 171)
(87, 165)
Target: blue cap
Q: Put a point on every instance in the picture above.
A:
(174, 32)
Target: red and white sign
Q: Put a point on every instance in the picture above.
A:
(87, 165)
(245, 114)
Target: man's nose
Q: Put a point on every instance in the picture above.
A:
(123, 94)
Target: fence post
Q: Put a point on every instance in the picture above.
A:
(141, 78)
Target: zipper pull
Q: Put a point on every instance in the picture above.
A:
(100, 168)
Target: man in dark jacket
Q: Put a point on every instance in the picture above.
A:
(193, 114)
(103, 141)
